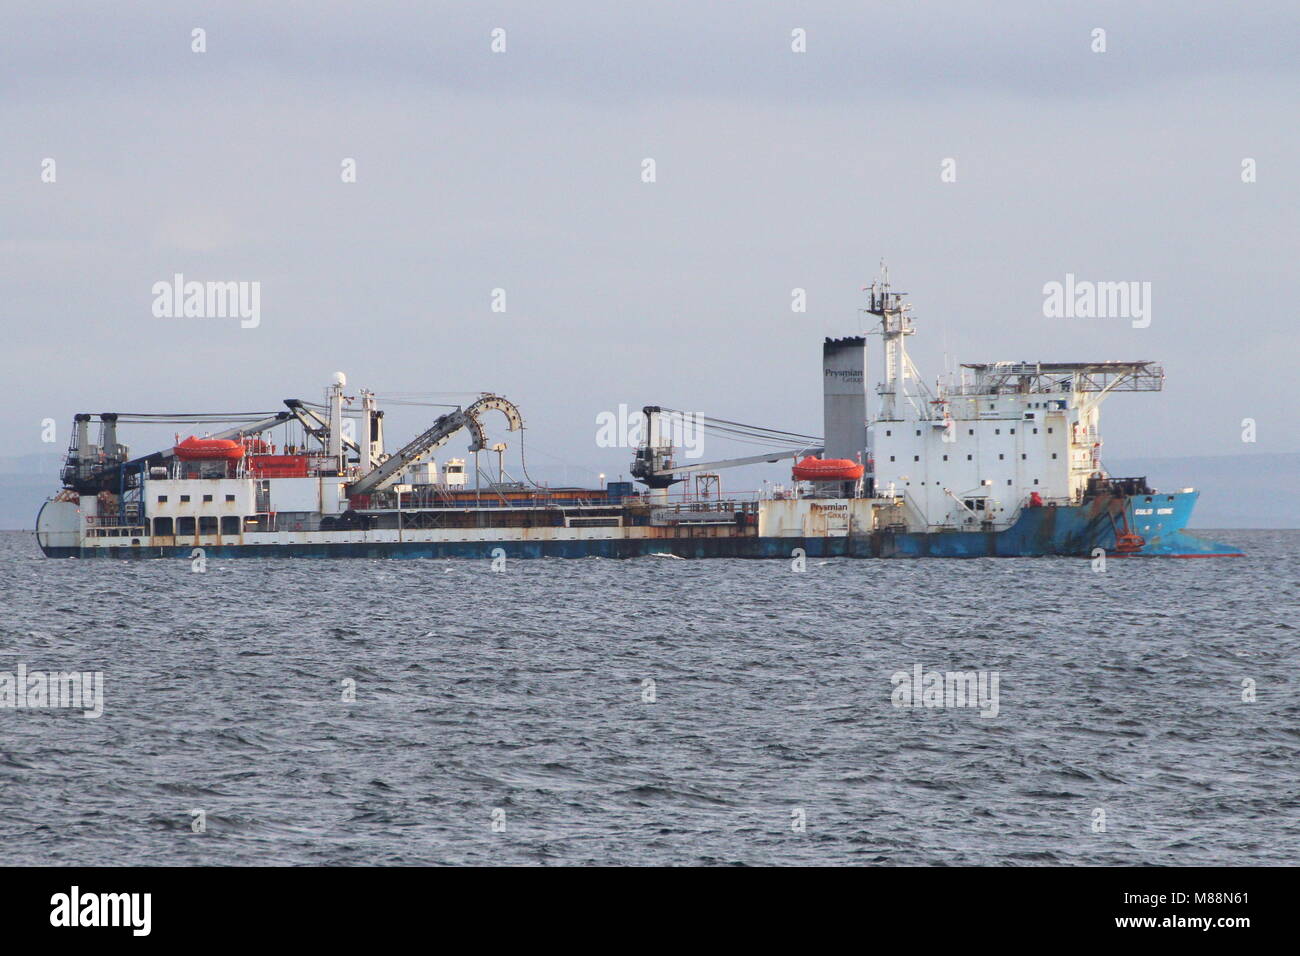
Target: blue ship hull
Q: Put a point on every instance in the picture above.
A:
(1159, 519)
(1076, 530)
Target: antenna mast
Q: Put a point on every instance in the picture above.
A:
(895, 325)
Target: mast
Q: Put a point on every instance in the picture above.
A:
(334, 441)
(895, 326)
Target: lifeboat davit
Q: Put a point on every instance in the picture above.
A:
(827, 469)
(208, 449)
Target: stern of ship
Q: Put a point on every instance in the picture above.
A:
(58, 526)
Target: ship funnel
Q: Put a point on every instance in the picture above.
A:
(844, 391)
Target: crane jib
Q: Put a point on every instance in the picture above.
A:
(437, 434)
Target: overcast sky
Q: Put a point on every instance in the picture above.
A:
(522, 170)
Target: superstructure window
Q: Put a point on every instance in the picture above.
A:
(916, 458)
(230, 498)
(1053, 454)
(1000, 457)
(968, 457)
(230, 524)
(185, 498)
(207, 497)
(207, 524)
(891, 457)
(185, 525)
(162, 499)
(1023, 456)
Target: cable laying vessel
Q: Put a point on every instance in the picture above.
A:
(1004, 463)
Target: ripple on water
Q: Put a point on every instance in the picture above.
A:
(655, 712)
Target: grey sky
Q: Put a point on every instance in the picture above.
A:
(521, 170)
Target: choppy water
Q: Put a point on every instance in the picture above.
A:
(522, 692)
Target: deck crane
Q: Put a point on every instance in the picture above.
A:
(654, 466)
(242, 431)
(316, 426)
(437, 434)
(88, 471)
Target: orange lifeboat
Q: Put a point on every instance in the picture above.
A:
(208, 449)
(827, 469)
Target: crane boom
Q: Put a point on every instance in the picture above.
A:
(654, 464)
(737, 462)
(316, 426)
(239, 431)
(437, 434)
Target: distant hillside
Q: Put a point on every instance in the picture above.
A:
(1238, 491)
(21, 497)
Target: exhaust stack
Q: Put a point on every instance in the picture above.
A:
(844, 391)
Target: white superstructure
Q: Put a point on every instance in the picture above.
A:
(970, 454)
